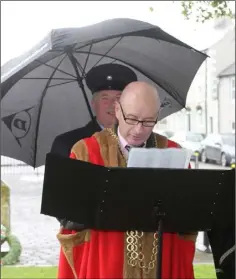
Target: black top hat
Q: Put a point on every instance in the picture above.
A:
(109, 77)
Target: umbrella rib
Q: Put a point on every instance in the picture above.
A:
(40, 110)
(124, 34)
(171, 39)
(24, 72)
(35, 78)
(114, 60)
(43, 63)
(85, 65)
(105, 54)
(89, 52)
(66, 82)
(79, 66)
(74, 61)
(173, 92)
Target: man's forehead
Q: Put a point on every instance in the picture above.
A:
(139, 111)
(109, 93)
(143, 114)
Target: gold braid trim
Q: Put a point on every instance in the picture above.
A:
(161, 141)
(69, 241)
(80, 151)
(113, 157)
(109, 148)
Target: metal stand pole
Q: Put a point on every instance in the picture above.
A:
(159, 214)
(159, 249)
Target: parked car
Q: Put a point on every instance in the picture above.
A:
(189, 140)
(219, 148)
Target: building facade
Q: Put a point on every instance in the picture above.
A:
(211, 98)
(226, 99)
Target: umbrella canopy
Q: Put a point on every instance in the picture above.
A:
(43, 93)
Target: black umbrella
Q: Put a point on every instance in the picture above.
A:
(43, 93)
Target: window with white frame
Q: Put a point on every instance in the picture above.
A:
(233, 88)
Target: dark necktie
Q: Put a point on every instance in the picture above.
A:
(128, 147)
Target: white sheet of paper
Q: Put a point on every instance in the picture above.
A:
(170, 158)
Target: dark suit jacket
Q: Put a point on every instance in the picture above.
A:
(63, 143)
(222, 240)
(223, 249)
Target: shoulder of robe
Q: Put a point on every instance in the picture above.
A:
(104, 138)
(80, 151)
(173, 144)
(162, 141)
(80, 148)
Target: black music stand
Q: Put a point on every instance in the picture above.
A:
(127, 199)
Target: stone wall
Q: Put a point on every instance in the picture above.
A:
(5, 206)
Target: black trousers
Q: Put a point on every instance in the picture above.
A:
(222, 241)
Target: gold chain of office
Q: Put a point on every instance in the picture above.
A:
(134, 246)
(135, 253)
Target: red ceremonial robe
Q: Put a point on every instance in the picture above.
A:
(101, 254)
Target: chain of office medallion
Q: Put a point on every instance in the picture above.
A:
(135, 253)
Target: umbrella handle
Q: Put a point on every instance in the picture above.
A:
(79, 80)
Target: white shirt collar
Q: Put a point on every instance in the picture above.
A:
(102, 127)
(124, 143)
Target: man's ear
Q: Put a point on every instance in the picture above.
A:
(93, 101)
(93, 104)
(117, 109)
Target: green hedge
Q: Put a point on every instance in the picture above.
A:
(11, 257)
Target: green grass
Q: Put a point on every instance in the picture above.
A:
(201, 271)
(204, 271)
(28, 272)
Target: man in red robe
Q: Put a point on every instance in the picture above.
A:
(106, 83)
(97, 254)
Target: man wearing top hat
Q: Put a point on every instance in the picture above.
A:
(106, 82)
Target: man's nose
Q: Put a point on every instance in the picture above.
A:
(139, 127)
(112, 102)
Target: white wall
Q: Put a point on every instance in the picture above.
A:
(226, 105)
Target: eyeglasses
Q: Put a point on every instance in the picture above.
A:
(132, 121)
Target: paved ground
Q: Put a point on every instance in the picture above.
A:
(37, 232)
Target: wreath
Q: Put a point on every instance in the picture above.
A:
(13, 255)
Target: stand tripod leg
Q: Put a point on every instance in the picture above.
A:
(159, 249)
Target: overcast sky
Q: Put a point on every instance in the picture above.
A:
(24, 23)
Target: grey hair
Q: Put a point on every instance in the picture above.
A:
(95, 95)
